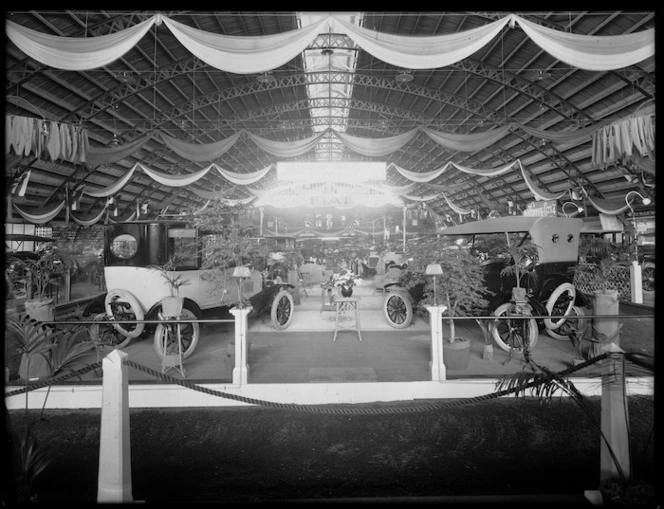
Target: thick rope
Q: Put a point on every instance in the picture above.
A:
(327, 409)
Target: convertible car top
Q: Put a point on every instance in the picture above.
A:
(556, 238)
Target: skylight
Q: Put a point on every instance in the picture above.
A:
(328, 100)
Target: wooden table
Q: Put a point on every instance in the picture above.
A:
(344, 305)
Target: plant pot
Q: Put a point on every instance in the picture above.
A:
(519, 294)
(456, 356)
(605, 330)
(346, 291)
(618, 492)
(171, 307)
(41, 310)
(487, 353)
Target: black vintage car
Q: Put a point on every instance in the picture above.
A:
(550, 292)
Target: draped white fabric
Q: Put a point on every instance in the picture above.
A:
(593, 53)
(130, 217)
(105, 155)
(41, 218)
(426, 197)
(608, 206)
(243, 179)
(88, 222)
(563, 137)
(76, 53)
(538, 193)
(455, 207)
(169, 180)
(286, 148)
(376, 147)
(197, 152)
(423, 52)
(166, 179)
(431, 175)
(252, 54)
(415, 176)
(113, 188)
(468, 142)
(489, 172)
(245, 54)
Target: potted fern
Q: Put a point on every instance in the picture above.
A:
(462, 287)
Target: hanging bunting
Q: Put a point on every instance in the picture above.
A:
(42, 218)
(456, 208)
(24, 183)
(538, 193)
(91, 221)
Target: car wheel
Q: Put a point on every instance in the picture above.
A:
(398, 310)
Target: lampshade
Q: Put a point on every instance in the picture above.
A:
(433, 269)
(241, 271)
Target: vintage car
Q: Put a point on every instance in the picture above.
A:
(133, 251)
(549, 286)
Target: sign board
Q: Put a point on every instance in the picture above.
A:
(610, 222)
(541, 208)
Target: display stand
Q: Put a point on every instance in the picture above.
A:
(344, 305)
(172, 360)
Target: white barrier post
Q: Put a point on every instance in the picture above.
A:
(614, 417)
(438, 372)
(114, 481)
(241, 369)
(636, 283)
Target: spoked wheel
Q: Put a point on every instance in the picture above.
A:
(559, 303)
(398, 310)
(166, 335)
(576, 322)
(510, 334)
(105, 334)
(648, 277)
(281, 312)
(122, 305)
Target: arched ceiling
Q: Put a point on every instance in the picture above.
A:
(158, 86)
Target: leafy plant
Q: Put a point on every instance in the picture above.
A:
(63, 350)
(462, 283)
(44, 271)
(602, 259)
(523, 259)
(175, 281)
(544, 384)
(228, 243)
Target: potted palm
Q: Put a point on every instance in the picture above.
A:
(524, 260)
(172, 306)
(42, 273)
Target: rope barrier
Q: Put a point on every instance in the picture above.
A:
(52, 381)
(325, 409)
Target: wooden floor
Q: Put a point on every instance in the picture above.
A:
(306, 352)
